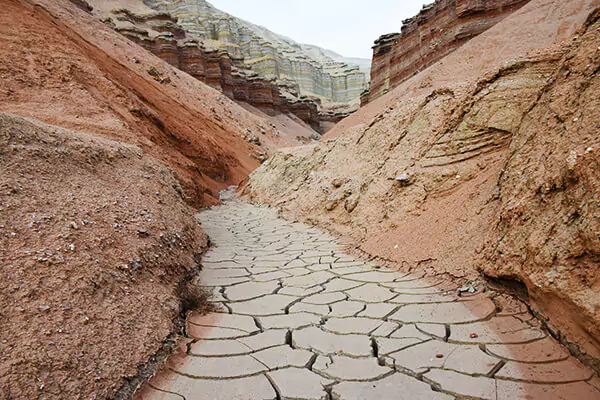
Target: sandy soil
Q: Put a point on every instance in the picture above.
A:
(94, 237)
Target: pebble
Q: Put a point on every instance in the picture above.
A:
(467, 289)
(404, 179)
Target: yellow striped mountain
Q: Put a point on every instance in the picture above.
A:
(317, 72)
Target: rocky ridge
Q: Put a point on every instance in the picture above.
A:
(159, 33)
(269, 54)
(439, 29)
(487, 167)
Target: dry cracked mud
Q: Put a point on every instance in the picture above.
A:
(297, 318)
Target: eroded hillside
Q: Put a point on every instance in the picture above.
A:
(485, 168)
(269, 54)
(246, 62)
(96, 225)
(62, 66)
(94, 235)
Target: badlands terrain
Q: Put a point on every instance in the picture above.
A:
(440, 242)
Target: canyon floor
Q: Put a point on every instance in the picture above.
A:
(295, 317)
(473, 179)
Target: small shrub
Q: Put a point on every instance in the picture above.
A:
(194, 297)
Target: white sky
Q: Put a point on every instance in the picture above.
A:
(348, 27)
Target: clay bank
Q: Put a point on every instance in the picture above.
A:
(194, 207)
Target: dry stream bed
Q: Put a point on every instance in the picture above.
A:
(297, 318)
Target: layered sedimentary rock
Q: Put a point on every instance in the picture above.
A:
(476, 164)
(439, 29)
(97, 226)
(246, 62)
(159, 33)
(316, 71)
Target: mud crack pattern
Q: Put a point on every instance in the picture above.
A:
(299, 319)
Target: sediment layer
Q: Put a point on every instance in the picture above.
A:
(439, 29)
(267, 53)
(159, 33)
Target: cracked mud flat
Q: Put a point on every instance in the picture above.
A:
(297, 318)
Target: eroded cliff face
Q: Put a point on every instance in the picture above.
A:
(439, 29)
(159, 33)
(486, 169)
(247, 63)
(269, 54)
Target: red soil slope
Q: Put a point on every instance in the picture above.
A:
(482, 162)
(95, 232)
(94, 236)
(63, 67)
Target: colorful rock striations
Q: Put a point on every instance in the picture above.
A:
(269, 54)
(159, 33)
(439, 29)
(246, 62)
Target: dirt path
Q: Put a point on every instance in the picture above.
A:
(299, 319)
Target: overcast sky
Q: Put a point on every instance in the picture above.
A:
(348, 27)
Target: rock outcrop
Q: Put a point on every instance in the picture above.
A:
(269, 54)
(483, 162)
(247, 63)
(439, 29)
(159, 33)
